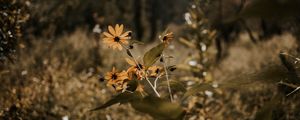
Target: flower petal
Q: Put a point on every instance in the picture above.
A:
(130, 62)
(125, 34)
(106, 34)
(119, 47)
(119, 30)
(108, 40)
(123, 41)
(116, 28)
(111, 30)
(114, 45)
(126, 38)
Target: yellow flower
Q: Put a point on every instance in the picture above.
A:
(114, 77)
(136, 69)
(115, 38)
(154, 71)
(167, 38)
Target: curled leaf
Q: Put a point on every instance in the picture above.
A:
(159, 108)
(132, 85)
(153, 55)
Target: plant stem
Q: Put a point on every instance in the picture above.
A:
(155, 81)
(296, 88)
(158, 95)
(167, 77)
(154, 89)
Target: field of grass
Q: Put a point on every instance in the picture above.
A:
(62, 75)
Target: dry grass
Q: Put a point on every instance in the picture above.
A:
(52, 79)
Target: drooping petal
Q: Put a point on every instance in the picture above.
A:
(131, 69)
(123, 41)
(108, 40)
(108, 76)
(114, 45)
(109, 43)
(123, 77)
(111, 30)
(111, 82)
(119, 47)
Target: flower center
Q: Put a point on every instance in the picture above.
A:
(114, 77)
(117, 39)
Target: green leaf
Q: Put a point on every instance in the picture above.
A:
(175, 85)
(153, 54)
(197, 88)
(121, 98)
(159, 108)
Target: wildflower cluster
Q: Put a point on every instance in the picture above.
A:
(118, 39)
(138, 84)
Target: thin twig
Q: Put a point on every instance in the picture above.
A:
(297, 59)
(167, 77)
(288, 84)
(296, 88)
(293, 91)
(158, 95)
(155, 81)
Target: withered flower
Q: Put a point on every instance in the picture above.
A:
(136, 69)
(167, 38)
(155, 71)
(114, 77)
(120, 85)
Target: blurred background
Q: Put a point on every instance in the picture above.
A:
(51, 56)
